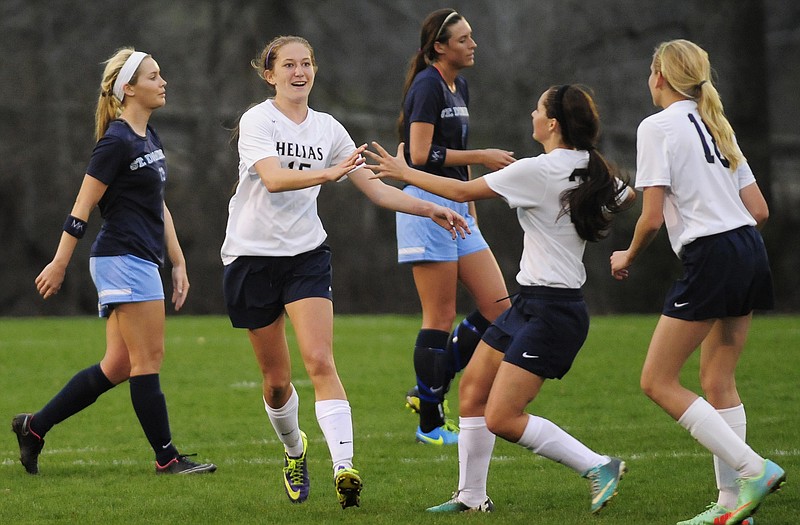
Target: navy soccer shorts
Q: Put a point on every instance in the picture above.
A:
(256, 289)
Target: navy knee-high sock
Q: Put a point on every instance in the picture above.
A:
(430, 364)
(151, 409)
(462, 343)
(81, 391)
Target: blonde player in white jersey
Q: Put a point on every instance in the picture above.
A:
(695, 179)
(276, 261)
(563, 198)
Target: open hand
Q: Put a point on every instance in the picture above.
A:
(355, 160)
(387, 166)
(496, 159)
(450, 221)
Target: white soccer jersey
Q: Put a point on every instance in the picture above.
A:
(261, 223)
(552, 253)
(675, 150)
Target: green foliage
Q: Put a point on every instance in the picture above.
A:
(97, 467)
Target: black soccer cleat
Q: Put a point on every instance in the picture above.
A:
(181, 465)
(30, 445)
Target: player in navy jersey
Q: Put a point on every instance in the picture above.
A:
(434, 124)
(694, 178)
(277, 263)
(125, 179)
(563, 198)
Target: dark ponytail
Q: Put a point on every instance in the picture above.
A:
(593, 202)
(435, 28)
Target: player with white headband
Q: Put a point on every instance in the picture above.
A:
(434, 124)
(125, 179)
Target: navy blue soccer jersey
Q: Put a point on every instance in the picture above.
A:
(135, 170)
(430, 100)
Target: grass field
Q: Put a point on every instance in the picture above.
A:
(98, 468)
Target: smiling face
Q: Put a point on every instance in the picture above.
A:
(293, 71)
(459, 50)
(150, 88)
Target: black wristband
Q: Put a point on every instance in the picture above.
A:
(75, 226)
(436, 156)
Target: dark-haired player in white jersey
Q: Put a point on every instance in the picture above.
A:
(563, 198)
(125, 179)
(434, 124)
(696, 180)
(276, 260)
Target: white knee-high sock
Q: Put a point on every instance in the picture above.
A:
(710, 430)
(726, 475)
(335, 420)
(549, 440)
(284, 421)
(475, 445)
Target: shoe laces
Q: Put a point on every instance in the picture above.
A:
(711, 510)
(182, 459)
(594, 479)
(294, 469)
(450, 425)
(454, 497)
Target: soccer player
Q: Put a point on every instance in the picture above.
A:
(434, 124)
(276, 260)
(125, 179)
(563, 198)
(694, 178)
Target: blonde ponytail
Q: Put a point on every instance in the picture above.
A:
(685, 66)
(109, 107)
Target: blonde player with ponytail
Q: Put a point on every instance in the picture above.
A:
(695, 179)
(125, 179)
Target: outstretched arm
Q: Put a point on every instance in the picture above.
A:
(397, 169)
(392, 198)
(278, 179)
(421, 140)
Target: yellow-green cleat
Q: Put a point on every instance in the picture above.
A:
(295, 474)
(348, 487)
(412, 401)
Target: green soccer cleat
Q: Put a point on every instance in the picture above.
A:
(752, 492)
(412, 401)
(454, 506)
(604, 481)
(295, 474)
(348, 487)
(712, 512)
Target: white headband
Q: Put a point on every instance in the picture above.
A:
(126, 73)
(444, 23)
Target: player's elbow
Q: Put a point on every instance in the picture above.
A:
(760, 215)
(418, 158)
(272, 185)
(462, 194)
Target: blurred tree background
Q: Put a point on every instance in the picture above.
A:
(51, 53)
